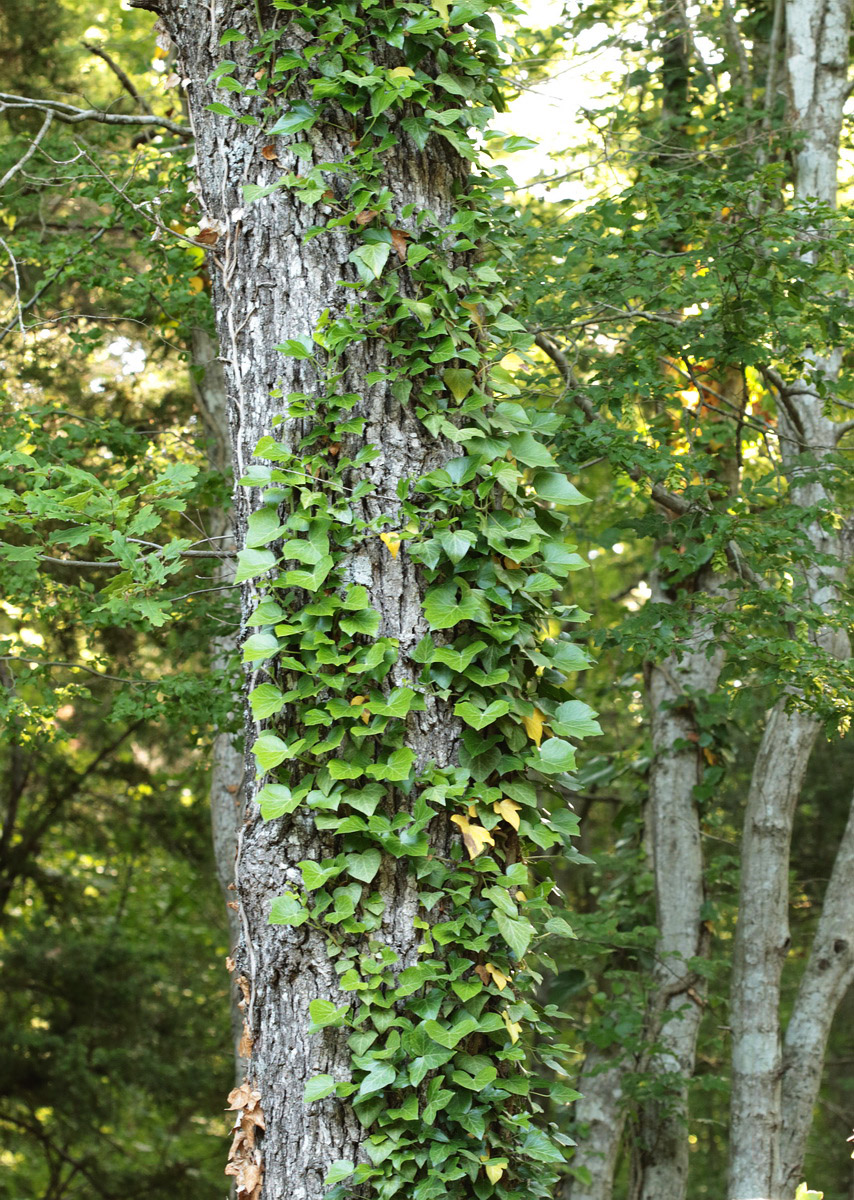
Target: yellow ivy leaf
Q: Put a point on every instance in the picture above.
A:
(509, 810)
(475, 837)
(441, 7)
(498, 977)
(520, 895)
(401, 73)
(513, 1028)
(392, 543)
(366, 716)
(548, 629)
(472, 810)
(494, 1168)
(534, 729)
(196, 283)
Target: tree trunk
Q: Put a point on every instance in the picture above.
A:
(674, 844)
(227, 758)
(817, 64)
(600, 1115)
(827, 976)
(761, 945)
(270, 284)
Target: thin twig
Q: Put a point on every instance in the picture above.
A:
(34, 145)
(122, 76)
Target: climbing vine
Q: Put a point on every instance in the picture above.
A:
(439, 1079)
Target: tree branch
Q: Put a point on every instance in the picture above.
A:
(122, 76)
(34, 145)
(72, 115)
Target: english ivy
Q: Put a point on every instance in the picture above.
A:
(439, 1078)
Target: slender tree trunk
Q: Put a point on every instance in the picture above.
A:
(269, 284)
(600, 1115)
(674, 842)
(761, 945)
(827, 976)
(817, 64)
(227, 758)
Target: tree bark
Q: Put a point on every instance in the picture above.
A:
(674, 844)
(817, 65)
(600, 1115)
(761, 945)
(227, 765)
(827, 976)
(269, 284)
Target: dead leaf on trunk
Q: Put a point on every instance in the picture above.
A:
(365, 218)
(399, 238)
(244, 1157)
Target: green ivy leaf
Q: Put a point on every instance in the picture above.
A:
(252, 563)
(342, 1168)
(287, 910)
(516, 933)
(456, 542)
(370, 259)
(270, 750)
(575, 719)
(480, 719)
(526, 448)
(276, 800)
(364, 866)
(259, 646)
(380, 1076)
(325, 1015)
(458, 381)
(556, 755)
(319, 1088)
(266, 699)
(556, 488)
(299, 116)
(366, 621)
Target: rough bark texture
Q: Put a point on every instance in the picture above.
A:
(674, 845)
(268, 285)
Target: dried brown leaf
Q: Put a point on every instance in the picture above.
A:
(365, 218)
(399, 238)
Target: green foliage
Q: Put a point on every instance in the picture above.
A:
(439, 1048)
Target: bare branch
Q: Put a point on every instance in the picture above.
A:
(34, 145)
(122, 76)
(72, 115)
(18, 308)
(737, 46)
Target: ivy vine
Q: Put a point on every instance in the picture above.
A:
(439, 1077)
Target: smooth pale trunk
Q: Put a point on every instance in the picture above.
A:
(674, 844)
(600, 1115)
(827, 976)
(817, 55)
(270, 285)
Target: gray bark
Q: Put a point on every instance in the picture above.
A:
(600, 1116)
(269, 285)
(675, 849)
(227, 766)
(761, 945)
(827, 976)
(817, 64)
